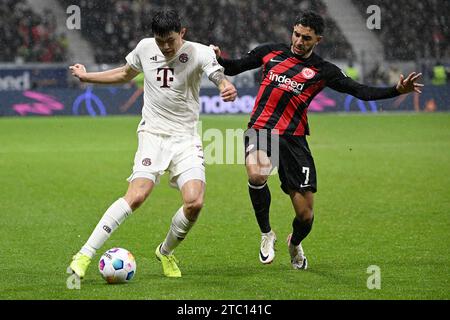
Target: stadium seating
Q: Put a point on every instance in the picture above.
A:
(115, 27)
(29, 37)
(412, 30)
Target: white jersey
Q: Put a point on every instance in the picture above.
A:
(171, 87)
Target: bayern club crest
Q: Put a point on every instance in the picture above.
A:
(183, 58)
(308, 73)
(146, 162)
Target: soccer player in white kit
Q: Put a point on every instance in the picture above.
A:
(168, 140)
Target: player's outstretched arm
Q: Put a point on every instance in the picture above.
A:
(345, 84)
(114, 76)
(409, 85)
(227, 90)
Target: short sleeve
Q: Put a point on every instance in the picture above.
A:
(208, 61)
(134, 60)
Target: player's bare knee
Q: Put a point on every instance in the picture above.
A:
(192, 208)
(195, 205)
(138, 191)
(136, 198)
(305, 214)
(257, 179)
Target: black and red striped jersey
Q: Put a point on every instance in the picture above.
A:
(289, 83)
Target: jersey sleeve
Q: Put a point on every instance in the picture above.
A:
(134, 59)
(208, 61)
(252, 60)
(339, 81)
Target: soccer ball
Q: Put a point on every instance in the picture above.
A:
(117, 265)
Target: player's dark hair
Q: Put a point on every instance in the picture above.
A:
(312, 20)
(165, 22)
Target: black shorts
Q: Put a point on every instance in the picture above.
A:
(290, 154)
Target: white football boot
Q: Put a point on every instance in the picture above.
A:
(298, 259)
(267, 250)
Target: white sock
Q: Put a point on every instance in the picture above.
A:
(110, 221)
(178, 230)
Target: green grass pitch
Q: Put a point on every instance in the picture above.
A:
(383, 200)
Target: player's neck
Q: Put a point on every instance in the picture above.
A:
(303, 57)
(309, 54)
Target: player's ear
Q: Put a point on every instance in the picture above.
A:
(182, 32)
(319, 38)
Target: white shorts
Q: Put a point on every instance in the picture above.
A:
(181, 156)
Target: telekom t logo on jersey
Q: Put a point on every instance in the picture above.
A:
(166, 77)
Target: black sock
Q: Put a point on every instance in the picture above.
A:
(301, 230)
(260, 196)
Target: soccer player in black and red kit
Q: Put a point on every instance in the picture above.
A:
(292, 76)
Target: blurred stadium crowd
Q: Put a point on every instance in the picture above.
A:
(114, 27)
(26, 36)
(403, 32)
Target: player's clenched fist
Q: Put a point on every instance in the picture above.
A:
(78, 70)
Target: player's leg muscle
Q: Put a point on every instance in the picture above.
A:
(303, 205)
(193, 192)
(138, 190)
(301, 224)
(258, 167)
